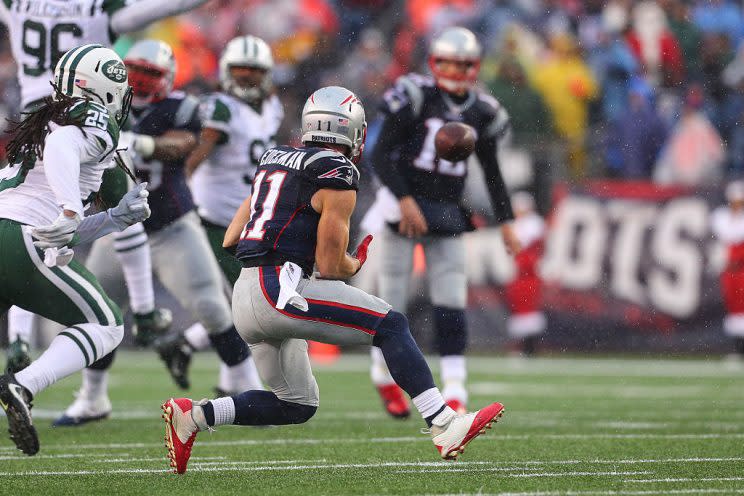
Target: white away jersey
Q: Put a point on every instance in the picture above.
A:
(41, 31)
(223, 181)
(25, 194)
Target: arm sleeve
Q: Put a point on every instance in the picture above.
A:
(486, 151)
(390, 137)
(140, 14)
(63, 150)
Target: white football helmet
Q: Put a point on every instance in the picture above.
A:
(335, 115)
(246, 51)
(459, 45)
(152, 68)
(98, 72)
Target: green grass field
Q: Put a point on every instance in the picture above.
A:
(572, 426)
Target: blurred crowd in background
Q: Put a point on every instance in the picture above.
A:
(596, 88)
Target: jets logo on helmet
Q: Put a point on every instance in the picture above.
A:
(93, 71)
(115, 71)
(253, 55)
(152, 68)
(454, 59)
(335, 115)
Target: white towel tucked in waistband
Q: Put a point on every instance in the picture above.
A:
(289, 278)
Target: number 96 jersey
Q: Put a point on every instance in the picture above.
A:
(41, 31)
(283, 222)
(223, 181)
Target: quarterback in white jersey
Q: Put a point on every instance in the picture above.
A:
(57, 157)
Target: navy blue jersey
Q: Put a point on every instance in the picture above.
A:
(170, 197)
(282, 220)
(405, 158)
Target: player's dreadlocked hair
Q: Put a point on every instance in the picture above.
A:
(29, 133)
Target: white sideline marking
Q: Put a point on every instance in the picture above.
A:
(520, 475)
(687, 479)
(403, 439)
(586, 391)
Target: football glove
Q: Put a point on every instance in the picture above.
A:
(57, 234)
(132, 207)
(142, 144)
(361, 250)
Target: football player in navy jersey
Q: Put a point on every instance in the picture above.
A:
(428, 191)
(297, 218)
(165, 126)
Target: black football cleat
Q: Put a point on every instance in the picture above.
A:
(149, 326)
(18, 356)
(16, 401)
(176, 352)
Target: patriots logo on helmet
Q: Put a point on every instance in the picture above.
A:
(343, 172)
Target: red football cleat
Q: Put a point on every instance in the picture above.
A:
(453, 433)
(180, 432)
(394, 400)
(457, 405)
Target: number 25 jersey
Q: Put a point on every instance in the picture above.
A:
(283, 222)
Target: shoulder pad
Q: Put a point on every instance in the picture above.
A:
(500, 122)
(214, 112)
(92, 115)
(330, 169)
(186, 109)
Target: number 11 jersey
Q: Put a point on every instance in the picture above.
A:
(283, 222)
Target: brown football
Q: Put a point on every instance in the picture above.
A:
(454, 141)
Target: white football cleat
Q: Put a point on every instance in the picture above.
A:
(85, 409)
(180, 431)
(453, 432)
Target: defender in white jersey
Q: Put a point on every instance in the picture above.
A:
(57, 157)
(40, 32)
(239, 123)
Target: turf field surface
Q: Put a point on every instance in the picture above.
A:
(571, 427)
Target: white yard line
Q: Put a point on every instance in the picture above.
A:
(403, 439)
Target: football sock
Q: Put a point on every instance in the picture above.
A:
(529, 345)
(104, 363)
(95, 382)
(241, 377)
(20, 324)
(379, 371)
(451, 330)
(429, 404)
(256, 408)
(71, 350)
(404, 359)
(453, 377)
(197, 337)
(230, 346)
(134, 255)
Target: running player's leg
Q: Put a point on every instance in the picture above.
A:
(133, 253)
(69, 295)
(186, 266)
(396, 264)
(91, 400)
(20, 328)
(445, 259)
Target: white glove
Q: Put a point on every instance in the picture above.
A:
(132, 207)
(58, 257)
(142, 144)
(57, 234)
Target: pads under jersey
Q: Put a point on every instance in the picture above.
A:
(25, 194)
(420, 109)
(41, 31)
(170, 197)
(282, 219)
(224, 180)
